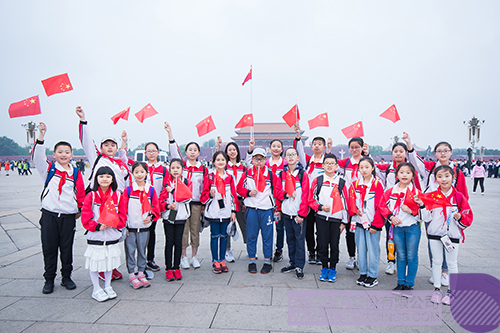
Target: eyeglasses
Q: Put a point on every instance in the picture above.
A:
(291, 155)
(259, 159)
(330, 163)
(151, 151)
(354, 148)
(445, 151)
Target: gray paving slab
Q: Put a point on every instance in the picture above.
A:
(24, 238)
(44, 327)
(14, 326)
(6, 301)
(33, 288)
(19, 225)
(12, 219)
(20, 255)
(223, 294)
(7, 247)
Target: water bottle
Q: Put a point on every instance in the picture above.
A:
(390, 246)
(353, 227)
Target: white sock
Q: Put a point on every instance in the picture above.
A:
(94, 277)
(107, 279)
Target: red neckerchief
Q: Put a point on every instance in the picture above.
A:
(190, 171)
(312, 165)
(104, 197)
(399, 200)
(445, 209)
(220, 185)
(61, 183)
(260, 180)
(362, 192)
(355, 168)
(151, 170)
(114, 160)
(146, 206)
(235, 171)
(274, 167)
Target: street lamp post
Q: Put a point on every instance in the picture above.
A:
(30, 132)
(474, 127)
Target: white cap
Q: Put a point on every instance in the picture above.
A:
(259, 151)
(109, 138)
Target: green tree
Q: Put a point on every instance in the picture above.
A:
(10, 147)
(209, 143)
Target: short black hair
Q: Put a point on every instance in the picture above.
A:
(446, 168)
(409, 165)
(330, 156)
(177, 160)
(319, 138)
(400, 144)
(442, 143)
(105, 170)
(63, 143)
(217, 153)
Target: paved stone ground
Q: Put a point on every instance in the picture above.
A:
(202, 301)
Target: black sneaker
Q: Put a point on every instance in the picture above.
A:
(398, 290)
(407, 292)
(48, 287)
(152, 266)
(266, 268)
(299, 273)
(252, 268)
(278, 256)
(370, 282)
(312, 259)
(68, 283)
(288, 268)
(361, 280)
(318, 260)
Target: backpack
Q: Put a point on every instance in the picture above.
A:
(320, 184)
(301, 175)
(51, 173)
(129, 190)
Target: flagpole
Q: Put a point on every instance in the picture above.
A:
(251, 110)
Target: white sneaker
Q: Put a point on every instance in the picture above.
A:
(100, 295)
(229, 256)
(111, 293)
(195, 263)
(431, 280)
(351, 264)
(390, 268)
(185, 263)
(445, 279)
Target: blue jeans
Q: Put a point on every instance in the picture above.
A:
(295, 238)
(444, 265)
(407, 240)
(218, 240)
(280, 235)
(368, 252)
(260, 220)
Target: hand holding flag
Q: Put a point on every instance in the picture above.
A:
(109, 215)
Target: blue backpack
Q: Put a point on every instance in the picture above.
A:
(52, 171)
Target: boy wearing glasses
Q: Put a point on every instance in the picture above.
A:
(327, 196)
(258, 186)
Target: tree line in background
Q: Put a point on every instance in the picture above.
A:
(9, 147)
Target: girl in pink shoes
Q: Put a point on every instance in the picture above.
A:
(140, 202)
(446, 229)
(221, 204)
(174, 201)
(195, 172)
(103, 253)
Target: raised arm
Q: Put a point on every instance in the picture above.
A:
(38, 153)
(85, 138)
(297, 144)
(173, 147)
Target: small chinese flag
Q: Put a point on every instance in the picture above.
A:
(146, 112)
(290, 185)
(410, 201)
(57, 84)
(248, 77)
(182, 191)
(434, 199)
(146, 205)
(321, 120)
(292, 116)
(337, 205)
(246, 120)
(351, 202)
(109, 215)
(205, 126)
(120, 115)
(28, 107)
(391, 114)
(354, 131)
(221, 186)
(259, 179)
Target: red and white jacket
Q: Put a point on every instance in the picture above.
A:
(426, 170)
(350, 169)
(91, 213)
(231, 203)
(236, 170)
(366, 198)
(317, 201)
(157, 176)
(263, 200)
(195, 173)
(275, 167)
(440, 226)
(298, 206)
(132, 207)
(389, 206)
(387, 174)
(166, 198)
(59, 197)
(118, 165)
(313, 168)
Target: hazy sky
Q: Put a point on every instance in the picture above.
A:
(438, 61)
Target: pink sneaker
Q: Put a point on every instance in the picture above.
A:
(170, 276)
(177, 274)
(447, 298)
(144, 281)
(436, 296)
(135, 283)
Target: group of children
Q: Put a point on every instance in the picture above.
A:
(311, 199)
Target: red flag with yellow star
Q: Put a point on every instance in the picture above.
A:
(292, 116)
(246, 120)
(248, 77)
(354, 131)
(205, 126)
(337, 205)
(320, 120)
(109, 215)
(434, 199)
(120, 115)
(391, 114)
(57, 84)
(28, 107)
(146, 112)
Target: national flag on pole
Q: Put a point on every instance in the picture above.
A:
(354, 131)
(337, 205)
(205, 126)
(409, 201)
(248, 77)
(391, 114)
(182, 191)
(108, 215)
(246, 120)
(146, 112)
(120, 115)
(290, 185)
(28, 107)
(292, 116)
(57, 84)
(320, 120)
